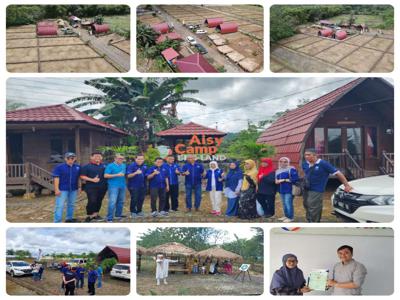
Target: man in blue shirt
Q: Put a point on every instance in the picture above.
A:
(92, 278)
(80, 276)
(137, 185)
(193, 173)
(158, 183)
(115, 173)
(66, 186)
(317, 173)
(173, 193)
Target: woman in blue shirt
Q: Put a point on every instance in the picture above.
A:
(285, 176)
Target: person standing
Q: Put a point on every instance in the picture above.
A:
(348, 275)
(66, 187)
(171, 201)
(80, 276)
(266, 187)
(317, 173)
(233, 183)
(92, 278)
(193, 173)
(115, 175)
(69, 280)
(215, 185)
(95, 185)
(247, 202)
(137, 185)
(158, 183)
(285, 177)
(99, 271)
(162, 265)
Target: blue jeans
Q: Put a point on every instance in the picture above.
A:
(232, 208)
(287, 203)
(80, 283)
(116, 199)
(197, 195)
(70, 197)
(99, 283)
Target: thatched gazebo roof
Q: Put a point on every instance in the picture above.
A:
(219, 253)
(173, 248)
(140, 250)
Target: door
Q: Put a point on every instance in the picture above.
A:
(15, 149)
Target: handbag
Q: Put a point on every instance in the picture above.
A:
(296, 187)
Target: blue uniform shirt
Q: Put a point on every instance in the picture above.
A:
(69, 176)
(158, 181)
(319, 174)
(92, 276)
(114, 168)
(139, 180)
(217, 175)
(195, 173)
(80, 272)
(286, 187)
(172, 176)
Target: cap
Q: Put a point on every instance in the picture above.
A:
(69, 154)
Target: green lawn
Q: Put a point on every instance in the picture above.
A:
(119, 24)
(373, 21)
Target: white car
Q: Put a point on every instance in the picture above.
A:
(122, 271)
(201, 31)
(371, 200)
(18, 268)
(76, 261)
(191, 40)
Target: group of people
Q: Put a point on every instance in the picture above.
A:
(194, 265)
(73, 277)
(345, 278)
(243, 189)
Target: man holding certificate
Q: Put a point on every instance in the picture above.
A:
(348, 275)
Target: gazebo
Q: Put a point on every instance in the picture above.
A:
(220, 253)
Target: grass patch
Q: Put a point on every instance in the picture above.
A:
(119, 24)
(373, 21)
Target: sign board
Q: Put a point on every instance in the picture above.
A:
(244, 267)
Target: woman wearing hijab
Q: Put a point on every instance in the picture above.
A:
(289, 279)
(247, 203)
(266, 187)
(233, 183)
(285, 177)
(215, 186)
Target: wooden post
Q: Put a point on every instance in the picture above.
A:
(78, 143)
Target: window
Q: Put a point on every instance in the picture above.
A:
(372, 142)
(56, 147)
(319, 140)
(334, 140)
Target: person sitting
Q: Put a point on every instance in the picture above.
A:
(228, 267)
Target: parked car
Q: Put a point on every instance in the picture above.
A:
(76, 261)
(18, 268)
(201, 31)
(191, 40)
(122, 271)
(201, 49)
(371, 200)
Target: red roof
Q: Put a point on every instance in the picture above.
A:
(56, 114)
(227, 27)
(213, 22)
(195, 63)
(189, 129)
(289, 133)
(123, 255)
(169, 36)
(169, 54)
(160, 27)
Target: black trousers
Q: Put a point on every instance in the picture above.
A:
(268, 204)
(69, 290)
(172, 195)
(157, 193)
(91, 288)
(137, 199)
(95, 197)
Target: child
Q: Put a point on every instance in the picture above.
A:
(162, 265)
(92, 278)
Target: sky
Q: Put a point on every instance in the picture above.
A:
(243, 232)
(230, 102)
(66, 240)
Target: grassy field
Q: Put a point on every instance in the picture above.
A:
(373, 21)
(120, 24)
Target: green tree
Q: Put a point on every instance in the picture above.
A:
(139, 106)
(145, 36)
(13, 105)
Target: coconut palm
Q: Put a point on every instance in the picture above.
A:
(139, 106)
(145, 36)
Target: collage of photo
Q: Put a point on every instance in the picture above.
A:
(275, 183)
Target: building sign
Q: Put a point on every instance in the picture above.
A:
(199, 145)
(203, 157)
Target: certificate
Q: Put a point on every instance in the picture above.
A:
(318, 279)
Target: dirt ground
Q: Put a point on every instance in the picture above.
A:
(306, 52)
(196, 284)
(28, 53)
(248, 41)
(51, 285)
(40, 210)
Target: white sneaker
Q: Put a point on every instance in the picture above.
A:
(154, 214)
(165, 281)
(282, 219)
(287, 220)
(158, 281)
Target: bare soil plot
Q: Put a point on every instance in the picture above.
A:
(21, 43)
(89, 65)
(305, 52)
(20, 55)
(66, 52)
(62, 41)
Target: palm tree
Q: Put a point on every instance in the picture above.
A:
(12, 105)
(139, 106)
(145, 36)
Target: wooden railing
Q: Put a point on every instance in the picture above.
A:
(387, 164)
(26, 174)
(41, 176)
(345, 162)
(353, 166)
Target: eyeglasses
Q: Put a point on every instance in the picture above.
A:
(71, 157)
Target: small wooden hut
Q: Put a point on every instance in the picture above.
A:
(219, 253)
